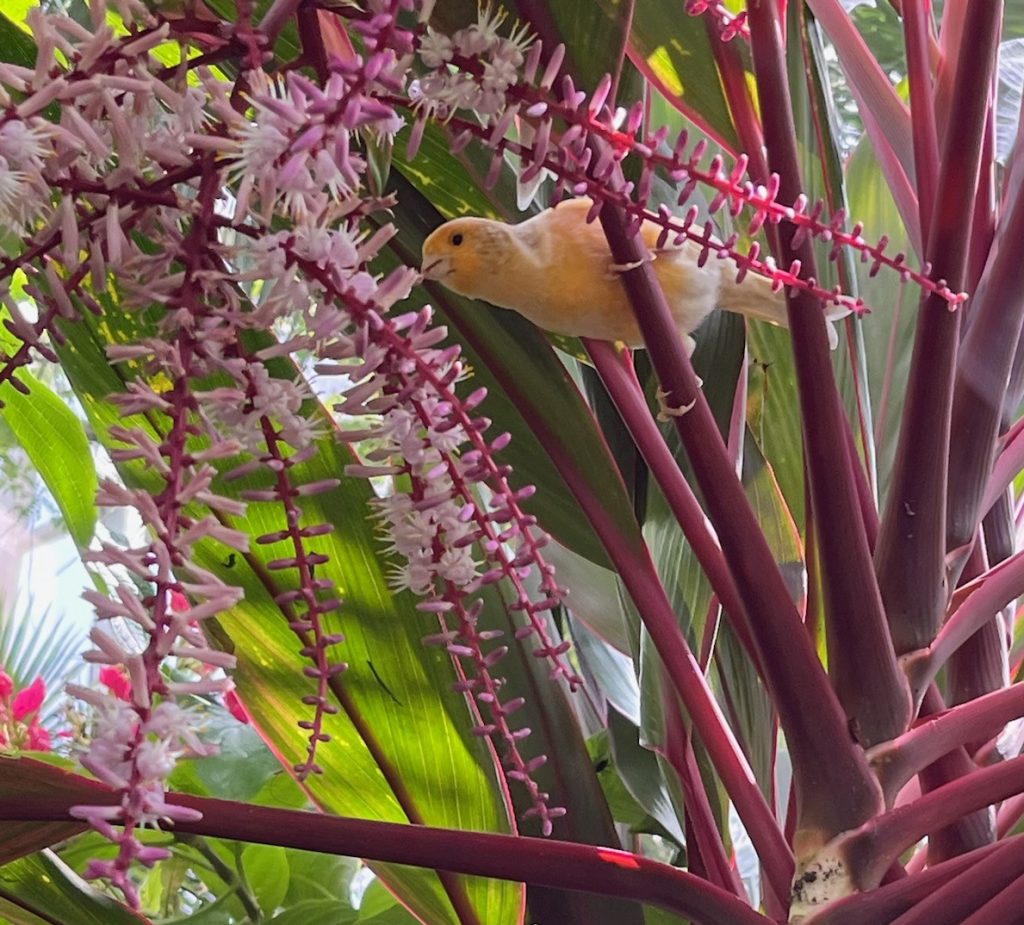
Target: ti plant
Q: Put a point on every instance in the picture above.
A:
(757, 662)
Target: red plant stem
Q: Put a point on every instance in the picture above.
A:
(888, 901)
(896, 762)
(912, 544)
(836, 790)
(871, 849)
(638, 574)
(983, 224)
(983, 369)
(1002, 908)
(741, 106)
(997, 589)
(953, 901)
(1010, 813)
(547, 862)
(861, 661)
(916, 18)
(678, 751)
(632, 406)
(970, 831)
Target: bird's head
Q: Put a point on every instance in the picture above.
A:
(466, 254)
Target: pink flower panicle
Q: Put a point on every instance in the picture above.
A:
(395, 373)
(143, 155)
(586, 158)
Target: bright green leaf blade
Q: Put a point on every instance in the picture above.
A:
(55, 441)
(42, 888)
(673, 49)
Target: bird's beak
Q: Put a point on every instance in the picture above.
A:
(437, 268)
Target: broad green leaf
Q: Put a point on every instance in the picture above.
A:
(673, 50)
(266, 871)
(399, 697)
(56, 443)
(43, 889)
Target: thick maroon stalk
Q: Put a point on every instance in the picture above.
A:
(1003, 908)
(888, 901)
(912, 544)
(917, 36)
(973, 830)
(835, 790)
(861, 660)
(999, 589)
(983, 369)
(562, 865)
(955, 900)
(877, 844)
(897, 761)
(632, 406)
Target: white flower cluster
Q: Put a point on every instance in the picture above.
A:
(499, 58)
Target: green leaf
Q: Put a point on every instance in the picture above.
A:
(55, 441)
(673, 50)
(266, 871)
(43, 889)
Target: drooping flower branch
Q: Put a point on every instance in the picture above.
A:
(468, 72)
(145, 157)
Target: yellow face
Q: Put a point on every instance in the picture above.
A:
(460, 255)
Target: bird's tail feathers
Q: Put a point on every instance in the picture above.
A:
(755, 298)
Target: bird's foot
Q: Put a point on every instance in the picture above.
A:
(667, 412)
(616, 269)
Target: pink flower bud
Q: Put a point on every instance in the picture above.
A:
(29, 700)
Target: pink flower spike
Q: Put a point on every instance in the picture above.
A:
(29, 700)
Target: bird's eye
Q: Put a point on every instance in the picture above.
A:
(456, 239)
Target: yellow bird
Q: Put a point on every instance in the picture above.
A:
(556, 269)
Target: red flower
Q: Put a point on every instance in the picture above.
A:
(6, 685)
(29, 700)
(235, 707)
(117, 680)
(38, 739)
(179, 603)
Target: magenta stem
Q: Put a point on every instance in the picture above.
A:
(871, 849)
(625, 392)
(896, 762)
(862, 664)
(916, 35)
(546, 862)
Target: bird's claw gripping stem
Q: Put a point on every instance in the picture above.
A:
(668, 412)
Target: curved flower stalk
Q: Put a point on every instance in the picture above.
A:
(562, 121)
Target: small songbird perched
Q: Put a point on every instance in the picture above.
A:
(557, 270)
